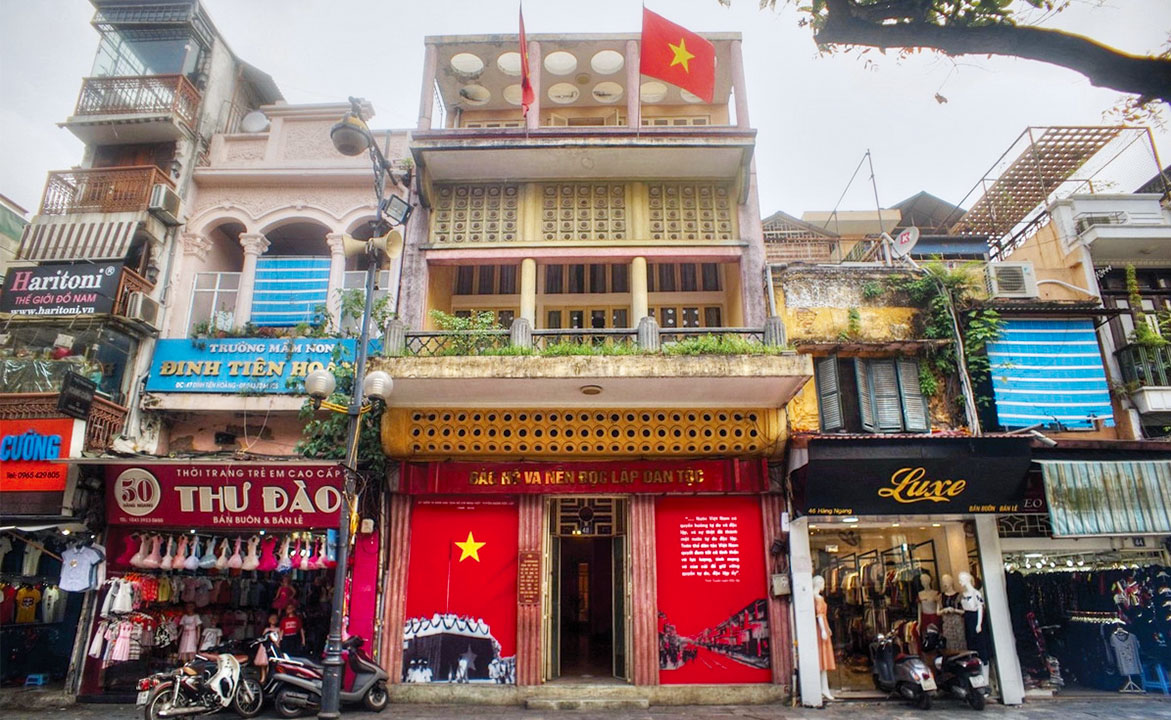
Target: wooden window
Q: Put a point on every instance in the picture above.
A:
(487, 280)
(711, 277)
(577, 278)
(619, 318)
(554, 279)
(508, 279)
(464, 279)
(553, 319)
(687, 278)
(619, 278)
(888, 396)
(712, 317)
(666, 277)
(598, 278)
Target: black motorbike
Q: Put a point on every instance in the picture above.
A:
(209, 682)
(962, 676)
(899, 674)
(298, 682)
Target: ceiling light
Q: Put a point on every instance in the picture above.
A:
(894, 524)
(590, 389)
(934, 524)
(850, 520)
(1034, 555)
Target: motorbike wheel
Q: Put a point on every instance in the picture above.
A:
(159, 700)
(924, 701)
(285, 707)
(249, 698)
(376, 698)
(976, 699)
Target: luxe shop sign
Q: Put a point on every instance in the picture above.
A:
(228, 495)
(913, 477)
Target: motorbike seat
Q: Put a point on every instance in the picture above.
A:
(189, 670)
(308, 662)
(242, 658)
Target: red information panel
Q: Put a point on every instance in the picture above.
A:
(27, 449)
(462, 592)
(227, 495)
(631, 476)
(713, 613)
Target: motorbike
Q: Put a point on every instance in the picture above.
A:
(962, 675)
(899, 674)
(299, 681)
(209, 682)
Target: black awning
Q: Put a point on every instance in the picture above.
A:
(912, 476)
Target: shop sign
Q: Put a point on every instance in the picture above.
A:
(75, 289)
(934, 477)
(639, 476)
(28, 451)
(231, 365)
(228, 495)
(77, 396)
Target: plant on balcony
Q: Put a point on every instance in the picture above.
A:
(936, 290)
(476, 333)
(1144, 334)
(724, 344)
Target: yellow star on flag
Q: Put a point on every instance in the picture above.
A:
(681, 55)
(469, 548)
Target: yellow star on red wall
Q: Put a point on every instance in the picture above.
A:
(469, 548)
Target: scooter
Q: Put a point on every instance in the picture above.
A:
(300, 679)
(899, 674)
(962, 675)
(205, 684)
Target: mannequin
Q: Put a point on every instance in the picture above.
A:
(930, 603)
(825, 646)
(952, 615)
(972, 602)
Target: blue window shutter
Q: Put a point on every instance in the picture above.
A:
(289, 290)
(916, 417)
(884, 389)
(865, 408)
(829, 396)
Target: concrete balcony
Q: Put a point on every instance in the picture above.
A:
(134, 109)
(584, 153)
(1118, 229)
(1150, 369)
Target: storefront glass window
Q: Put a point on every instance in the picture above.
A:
(35, 359)
(897, 579)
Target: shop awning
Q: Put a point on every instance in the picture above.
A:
(1108, 498)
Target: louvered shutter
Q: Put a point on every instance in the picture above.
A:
(865, 409)
(884, 387)
(915, 414)
(829, 397)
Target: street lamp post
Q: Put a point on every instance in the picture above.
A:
(352, 137)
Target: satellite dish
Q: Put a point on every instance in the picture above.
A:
(904, 241)
(254, 122)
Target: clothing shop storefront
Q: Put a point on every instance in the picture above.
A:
(39, 612)
(892, 536)
(201, 553)
(647, 572)
(1089, 585)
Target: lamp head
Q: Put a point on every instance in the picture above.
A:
(377, 385)
(320, 384)
(351, 136)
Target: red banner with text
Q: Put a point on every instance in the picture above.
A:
(630, 476)
(462, 592)
(713, 612)
(226, 495)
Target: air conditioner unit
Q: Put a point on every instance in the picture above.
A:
(1011, 280)
(164, 204)
(143, 308)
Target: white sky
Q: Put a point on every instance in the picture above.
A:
(815, 115)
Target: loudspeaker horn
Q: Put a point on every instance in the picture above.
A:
(391, 244)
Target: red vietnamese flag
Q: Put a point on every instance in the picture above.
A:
(526, 84)
(463, 562)
(676, 55)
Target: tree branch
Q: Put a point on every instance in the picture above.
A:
(1103, 66)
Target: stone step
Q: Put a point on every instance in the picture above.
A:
(610, 703)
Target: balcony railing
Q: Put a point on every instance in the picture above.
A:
(648, 338)
(102, 426)
(140, 95)
(1148, 366)
(130, 282)
(102, 190)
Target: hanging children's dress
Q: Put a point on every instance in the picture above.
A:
(189, 634)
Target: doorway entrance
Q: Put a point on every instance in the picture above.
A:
(588, 590)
